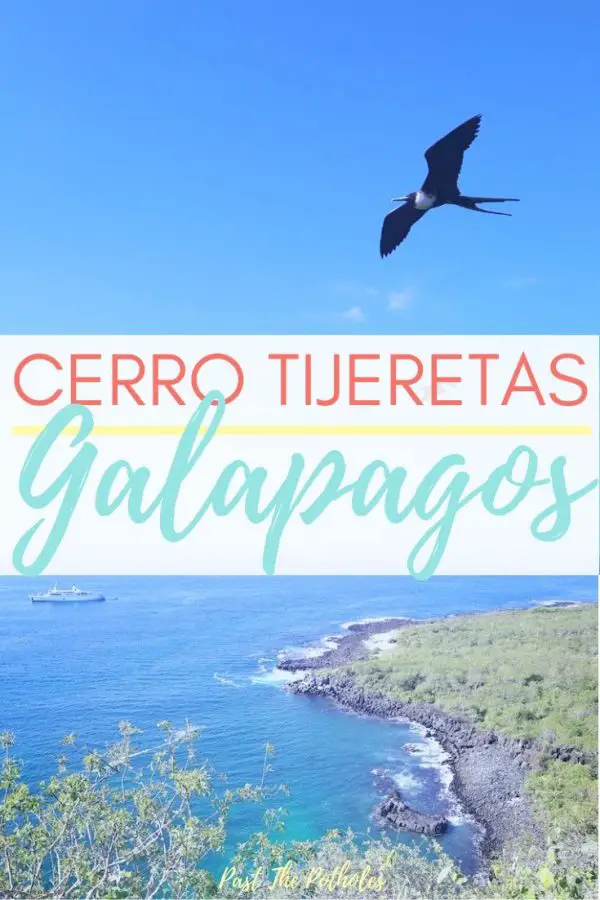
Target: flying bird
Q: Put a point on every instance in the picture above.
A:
(444, 161)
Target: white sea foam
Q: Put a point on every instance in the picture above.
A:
(275, 676)
(431, 756)
(310, 651)
(222, 679)
(326, 644)
(435, 757)
(406, 781)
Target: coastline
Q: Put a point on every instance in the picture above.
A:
(347, 648)
(488, 768)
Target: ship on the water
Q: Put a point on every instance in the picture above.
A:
(67, 595)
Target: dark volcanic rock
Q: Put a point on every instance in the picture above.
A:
(396, 813)
(349, 648)
(489, 769)
(572, 754)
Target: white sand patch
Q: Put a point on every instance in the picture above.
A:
(559, 604)
(381, 643)
(347, 625)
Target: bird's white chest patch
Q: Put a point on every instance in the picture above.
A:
(423, 201)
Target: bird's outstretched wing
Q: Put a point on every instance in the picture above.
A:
(445, 157)
(396, 226)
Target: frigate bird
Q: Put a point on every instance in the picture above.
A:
(444, 162)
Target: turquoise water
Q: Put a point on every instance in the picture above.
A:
(204, 649)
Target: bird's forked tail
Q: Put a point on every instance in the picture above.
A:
(471, 203)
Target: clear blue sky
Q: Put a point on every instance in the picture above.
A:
(224, 166)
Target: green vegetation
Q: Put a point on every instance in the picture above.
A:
(566, 796)
(132, 822)
(530, 673)
(137, 822)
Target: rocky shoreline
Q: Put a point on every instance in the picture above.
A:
(394, 812)
(489, 769)
(349, 647)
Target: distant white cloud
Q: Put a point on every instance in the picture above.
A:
(361, 295)
(521, 281)
(354, 314)
(354, 290)
(400, 299)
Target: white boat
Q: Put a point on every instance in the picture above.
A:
(67, 595)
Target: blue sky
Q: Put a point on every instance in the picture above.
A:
(225, 166)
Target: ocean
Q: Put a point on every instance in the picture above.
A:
(205, 649)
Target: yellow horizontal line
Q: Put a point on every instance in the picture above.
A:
(327, 430)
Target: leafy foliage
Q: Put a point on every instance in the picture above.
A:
(568, 870)
(140, 823)
(566, 795)
(529, 673)
(135, 822)
(124, 826)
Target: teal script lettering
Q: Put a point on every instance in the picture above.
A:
(437, 499)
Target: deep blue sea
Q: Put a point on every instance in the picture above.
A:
(205, 649)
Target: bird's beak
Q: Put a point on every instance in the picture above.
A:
(398, 199)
